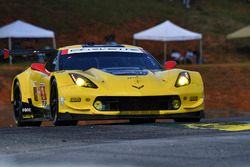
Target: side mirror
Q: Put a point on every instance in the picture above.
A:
(170, 65)
(39, 67)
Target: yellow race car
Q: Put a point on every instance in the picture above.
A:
(95, 82)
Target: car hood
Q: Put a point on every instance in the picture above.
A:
(137, 82)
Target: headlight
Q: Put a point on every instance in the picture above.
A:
(82, 81)
(183, 79)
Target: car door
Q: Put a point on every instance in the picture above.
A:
(40, 79)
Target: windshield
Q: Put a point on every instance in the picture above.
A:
(108, 60)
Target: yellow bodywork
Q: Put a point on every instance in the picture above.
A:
(160, 83)
(155, 84)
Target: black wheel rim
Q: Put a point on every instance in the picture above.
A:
(54, 102)
(17, 103)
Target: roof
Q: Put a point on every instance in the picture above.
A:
(241, 33)
(167, 31)
(21, 29)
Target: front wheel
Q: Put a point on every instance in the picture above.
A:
(18, 107)
(54, 108)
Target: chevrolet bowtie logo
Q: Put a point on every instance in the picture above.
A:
(138, 87)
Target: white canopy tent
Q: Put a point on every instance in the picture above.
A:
(21, 29)
(241, 33)
(168, 32)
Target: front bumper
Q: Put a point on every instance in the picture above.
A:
(133, 106)
(80, 101)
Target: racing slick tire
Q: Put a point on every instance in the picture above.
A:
(18, 107)
(54, 106)
(141, 120)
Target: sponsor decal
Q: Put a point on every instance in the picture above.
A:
(75, 99)
(43, 94)
(104, 49)
(28, 116)
(194, 98)
(35, 91)
(26, 110)
(133, 77)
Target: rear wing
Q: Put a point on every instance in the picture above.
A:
(5, 53)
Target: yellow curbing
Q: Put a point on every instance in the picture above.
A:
(230, 127)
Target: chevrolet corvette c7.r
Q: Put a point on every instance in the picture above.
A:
(97, 82)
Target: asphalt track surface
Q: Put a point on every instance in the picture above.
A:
(126, 145)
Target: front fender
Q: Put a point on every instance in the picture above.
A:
(25, 85)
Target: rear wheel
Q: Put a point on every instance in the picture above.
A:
(187, 120)
(54, 107)
(142, 120)
(18, 106)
